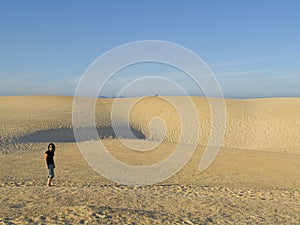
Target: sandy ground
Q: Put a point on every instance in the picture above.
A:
(254, 179)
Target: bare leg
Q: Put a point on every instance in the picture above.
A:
(49, 182)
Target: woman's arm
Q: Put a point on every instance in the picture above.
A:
(46, 160)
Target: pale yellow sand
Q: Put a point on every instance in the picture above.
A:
(259, 124)
(255, 178)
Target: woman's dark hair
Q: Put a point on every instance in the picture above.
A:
(52, 145)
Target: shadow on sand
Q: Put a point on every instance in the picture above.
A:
(83, 134)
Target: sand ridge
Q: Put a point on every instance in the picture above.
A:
(260, 124)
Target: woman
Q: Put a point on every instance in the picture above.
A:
(49, 160)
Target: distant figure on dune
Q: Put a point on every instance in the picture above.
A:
(49, 160)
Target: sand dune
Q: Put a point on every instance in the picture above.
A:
(260, 124)
(254, 179)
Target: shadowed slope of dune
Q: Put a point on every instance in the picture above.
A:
(67, 135)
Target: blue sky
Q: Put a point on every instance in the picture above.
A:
(253, 47)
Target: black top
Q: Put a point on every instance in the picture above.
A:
(50, 155)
